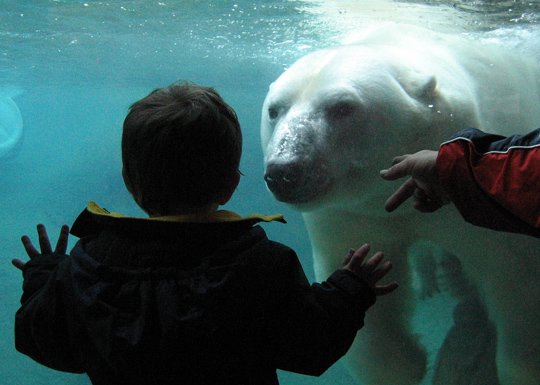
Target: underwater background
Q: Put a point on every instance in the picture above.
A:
(70, 69)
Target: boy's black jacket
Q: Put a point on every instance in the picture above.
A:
(152, 302)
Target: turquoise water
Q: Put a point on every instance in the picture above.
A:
(70, 69)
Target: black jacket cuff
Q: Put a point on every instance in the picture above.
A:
(355, 287)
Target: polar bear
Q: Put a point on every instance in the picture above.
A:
(339, 115)
(11, 123)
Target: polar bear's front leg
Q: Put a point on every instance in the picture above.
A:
(384, 351)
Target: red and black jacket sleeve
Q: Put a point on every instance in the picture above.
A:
(494, 181)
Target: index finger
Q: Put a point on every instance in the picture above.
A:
(399, 169)
(356, 259)
(404, 192)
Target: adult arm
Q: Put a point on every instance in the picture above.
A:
(493, 181)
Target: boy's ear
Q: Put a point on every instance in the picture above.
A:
(127, 183)
(231, 187)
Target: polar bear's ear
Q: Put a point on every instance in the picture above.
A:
(422, 87)
(427, 90)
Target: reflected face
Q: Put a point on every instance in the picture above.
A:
(11, 125)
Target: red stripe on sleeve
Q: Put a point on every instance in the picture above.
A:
(500, 190)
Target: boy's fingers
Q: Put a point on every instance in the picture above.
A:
(29, 247)
(385, 289)
(18, 264)
(360, 254)
(348, 257)
(357, 258)
(44, 242)
(61, 245)
(372, 263)
(378, 274)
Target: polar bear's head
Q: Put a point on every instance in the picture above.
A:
(337, 116)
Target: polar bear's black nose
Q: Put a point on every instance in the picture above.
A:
(296, 181)
(283, 179)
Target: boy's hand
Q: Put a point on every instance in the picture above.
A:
(369, 270)
(44, 245)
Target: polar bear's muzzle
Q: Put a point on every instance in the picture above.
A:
(295, 170)
(295, 181)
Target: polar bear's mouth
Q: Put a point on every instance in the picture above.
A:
(296, 182)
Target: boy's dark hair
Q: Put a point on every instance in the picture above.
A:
(180, 145)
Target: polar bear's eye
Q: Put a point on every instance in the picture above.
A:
(341, 109)
(273, 112)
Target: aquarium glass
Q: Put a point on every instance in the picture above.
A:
(69, 70)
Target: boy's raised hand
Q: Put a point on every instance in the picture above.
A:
(370, 270)
(44, 245)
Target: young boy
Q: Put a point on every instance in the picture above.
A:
(190, 295)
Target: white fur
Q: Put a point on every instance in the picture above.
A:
(340, 115)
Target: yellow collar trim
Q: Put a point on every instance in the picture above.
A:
(214, 217)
